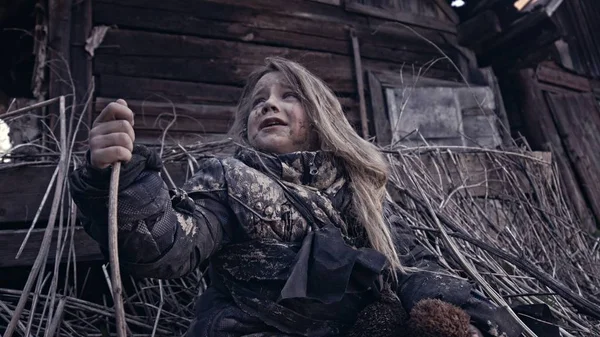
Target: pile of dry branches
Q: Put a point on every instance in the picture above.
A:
(501, 219)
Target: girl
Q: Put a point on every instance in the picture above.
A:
(295, 226)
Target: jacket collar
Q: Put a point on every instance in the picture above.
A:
(316, 169)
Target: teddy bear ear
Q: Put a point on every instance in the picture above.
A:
(436, 318)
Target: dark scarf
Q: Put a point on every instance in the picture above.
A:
(316, 171)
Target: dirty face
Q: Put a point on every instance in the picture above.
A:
(277, 122)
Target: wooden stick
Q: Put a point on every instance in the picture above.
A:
(42, 256)
(29, 108)
(56, 320)
(114, 252)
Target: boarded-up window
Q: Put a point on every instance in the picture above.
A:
(415, 112)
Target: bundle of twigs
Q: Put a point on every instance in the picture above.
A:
(509, 222)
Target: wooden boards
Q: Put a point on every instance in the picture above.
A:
(86, 249)
(543, 133)
(577, 117)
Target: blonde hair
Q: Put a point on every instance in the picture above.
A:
(365, 165)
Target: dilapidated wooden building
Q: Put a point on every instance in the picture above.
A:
(495, 74)
(407, 72)
(181, 65)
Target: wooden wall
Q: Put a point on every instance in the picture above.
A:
(559, 113)
(578, 20)
(196, 54)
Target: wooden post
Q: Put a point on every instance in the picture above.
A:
(360, 83)
(59, 33)
(81, 65)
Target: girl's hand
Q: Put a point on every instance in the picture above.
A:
(112, 136)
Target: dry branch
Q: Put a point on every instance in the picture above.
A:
(113, 250)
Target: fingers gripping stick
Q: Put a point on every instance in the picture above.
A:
(113, 247)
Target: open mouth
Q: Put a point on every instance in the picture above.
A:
(269, 122)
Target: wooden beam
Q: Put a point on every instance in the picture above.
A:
(383, 133)
(86, 249)
(263, 31)
(22, 190)
(330, 2)
(404, 17)
(448, 11)
(483, 26)
(178, 91)
(562, 78)
(360, 86)
(81, 63)
(59, 36)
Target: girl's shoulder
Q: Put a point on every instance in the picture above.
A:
(213, 173)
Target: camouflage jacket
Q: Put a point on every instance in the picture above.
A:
(272, 270)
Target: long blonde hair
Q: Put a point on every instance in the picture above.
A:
(364, 164)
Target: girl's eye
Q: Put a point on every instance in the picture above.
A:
(290, 95)
(258, 101)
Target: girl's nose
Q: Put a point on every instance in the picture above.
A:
(270, 105)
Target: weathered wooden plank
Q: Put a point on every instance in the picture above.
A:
(59, 35)
(330, 2)
(21, 192)
(418, 72)
(154, 108)
(81, 63)
(154, 44)
(429, 112)
(448, 11)
(408, 78)
(562, 78)
(209, 18)
(542, 134)
(577, 117)
(23, 188)
(522, 37)
(401, 46)
(500, 109)
(381, 121)
(207, 60)
(182, 124)
(86, 249)
(298, 8)
(153, 137)
(202, 111)
(404, 17)
(177, 91)
(283, 23)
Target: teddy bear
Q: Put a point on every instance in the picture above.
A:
(428, 318)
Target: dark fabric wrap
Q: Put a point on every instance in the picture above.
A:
(313, 289)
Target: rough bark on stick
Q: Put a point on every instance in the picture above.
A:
(113, 250)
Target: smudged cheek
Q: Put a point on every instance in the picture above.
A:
(301, 135)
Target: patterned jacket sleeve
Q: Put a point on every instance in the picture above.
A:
(429, 280)
(162, 233)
